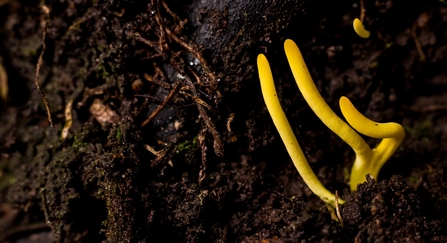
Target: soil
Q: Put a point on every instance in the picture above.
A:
(160, 132)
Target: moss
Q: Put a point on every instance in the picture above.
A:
(420, 130)
(118, 134)
(186, 145)
(78, 143)
(6, 180)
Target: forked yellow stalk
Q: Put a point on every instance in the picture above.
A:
(391, 133)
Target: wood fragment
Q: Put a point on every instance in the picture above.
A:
(3, 83)
(103, 113)
(68, 119)
(159, 155)
(229, 121)
(152, 150)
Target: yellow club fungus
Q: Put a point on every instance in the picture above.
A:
(368, 161)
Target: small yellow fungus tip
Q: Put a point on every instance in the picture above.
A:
(360, 29)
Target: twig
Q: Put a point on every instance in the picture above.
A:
(417, 42)
(150, 44)
(181, 24)
(192, 51)
(218, 144)
(229, 121)
(179, 65)
(162, 105)
(159, 154)
(201, 139)
(158, 19)
(198, 101)
(195, 76)
(44, 24)
(337, 209)
(362, 11)
(156, 81)
(153, 151)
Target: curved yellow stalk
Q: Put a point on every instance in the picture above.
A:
(360, 29)
(320, 107)
(392, 134)
(287, 135)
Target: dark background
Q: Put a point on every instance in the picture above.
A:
(209, 165)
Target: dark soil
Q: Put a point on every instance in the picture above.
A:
(161, 133)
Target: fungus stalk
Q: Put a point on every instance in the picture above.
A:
(287, 135)
(391, 134)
